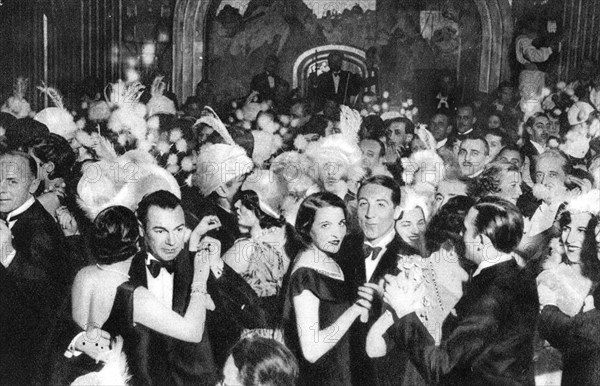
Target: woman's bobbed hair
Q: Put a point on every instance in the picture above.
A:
(115, 235)
(308, 210)
(264, 362)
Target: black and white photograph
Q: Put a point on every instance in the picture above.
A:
(300, 192)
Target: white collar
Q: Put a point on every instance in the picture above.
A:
(540, 149)
(476, 174)
(490, 263)
(441, 143)
(385, 240)
(26, 205)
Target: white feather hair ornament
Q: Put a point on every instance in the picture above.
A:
(210, 118)
(128, 118)
(419, 196)
(424, 166)
(58, 119)
(296, 170)
(350, 121)
(337, 151)
(158, 103)
(16, 104)
(426, 137)
(124, 180)
(586, 203)
(265, 145)
(115, 371)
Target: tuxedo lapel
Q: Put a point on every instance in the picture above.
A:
(137, 271)
(388, 260)
(181, 281)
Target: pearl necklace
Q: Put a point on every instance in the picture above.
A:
(435, 284)
(111, 270)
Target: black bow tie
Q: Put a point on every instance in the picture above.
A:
(155, 266)
(367, 250)
(336, 73)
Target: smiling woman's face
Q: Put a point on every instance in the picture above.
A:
(572, 235)
(328, 229)
(411, 226)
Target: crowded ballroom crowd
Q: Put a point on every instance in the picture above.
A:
(338, 238)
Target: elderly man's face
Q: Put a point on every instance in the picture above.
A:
(17, 183)
(440, 127)
(550, 180)
(472, 156)
(465, 119)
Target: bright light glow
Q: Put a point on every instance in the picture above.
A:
(148, 54)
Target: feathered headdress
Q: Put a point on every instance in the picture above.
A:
(122, 180)
(270, 190)
(16, 104)
(424, 166)
(350, 121)
(296, 170)
(222, 162)
(337, 151)
(58, 119)
(128, 119)
(587, 202)
(160, 104)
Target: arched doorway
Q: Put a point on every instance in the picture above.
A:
(313, 60)
(190, 43)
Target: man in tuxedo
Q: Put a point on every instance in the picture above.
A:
(369, 256)
(337, 85)
(489, 338)
(165, 268)
(465, 121)
(266, 83)
(36, 266)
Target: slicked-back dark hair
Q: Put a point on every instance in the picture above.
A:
(161, 198)
(501, 221)
(386, 182)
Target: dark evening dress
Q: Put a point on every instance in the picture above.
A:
(333, 368)
(119, 322)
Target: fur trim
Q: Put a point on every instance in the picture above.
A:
(115, 370)
(123, 181)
